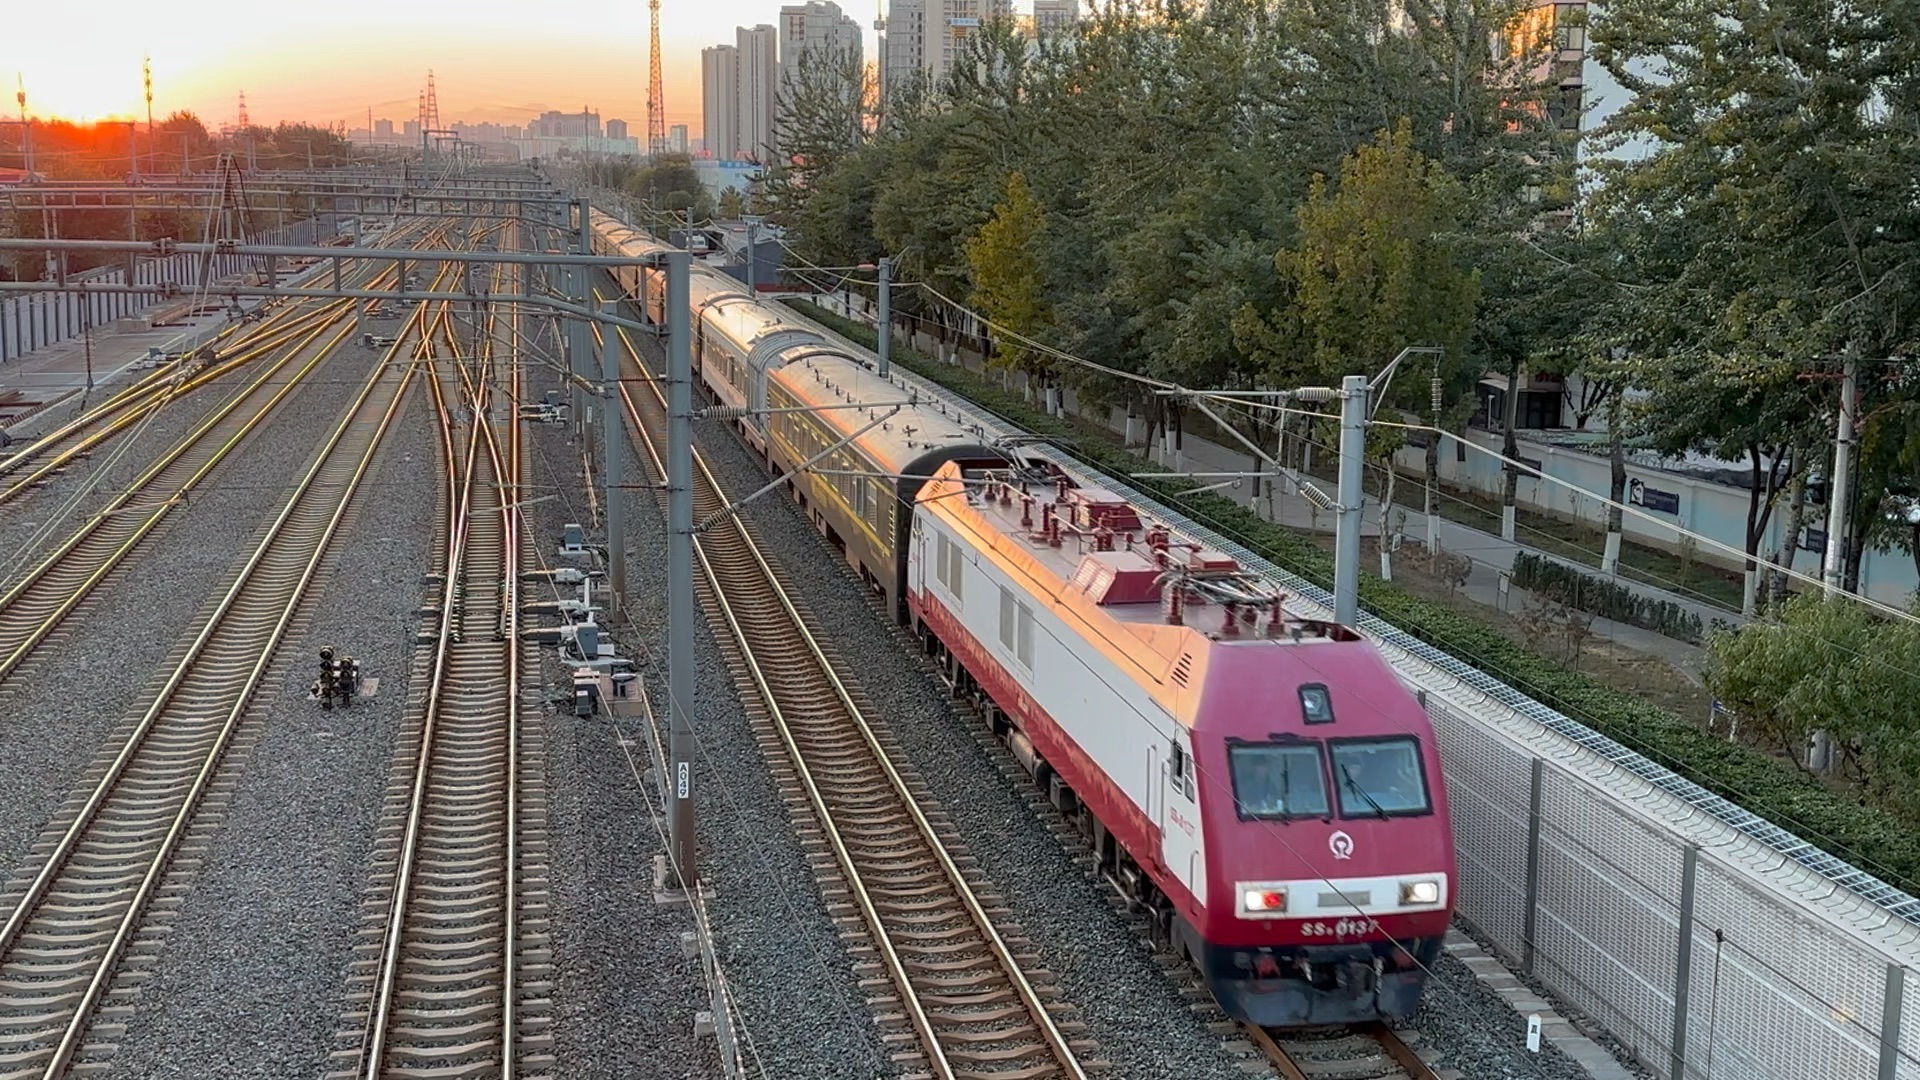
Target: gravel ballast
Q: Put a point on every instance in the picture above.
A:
(250, 982)
(626, 997)
(77, 690)
(116, 462)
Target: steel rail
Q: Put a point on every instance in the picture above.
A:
(1054, 1040)
(229, 611)
(469, 725)
(161, 387)
(1397, 1053)
(117, 524)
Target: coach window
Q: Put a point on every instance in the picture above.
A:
(1278, 780)
(1379, 777)
(1023, 639)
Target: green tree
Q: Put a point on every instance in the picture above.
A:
(1007, 284)
(732, 204)
(1375, 269)
(1774, 205)
(1832, 667)
(671, 186)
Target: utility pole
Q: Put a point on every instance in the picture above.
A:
(1352, 496)
(20, 95)
(752, 269)
(146, 76)
(680, 614)
(612, 427)
(1840, 488)
(885, 323)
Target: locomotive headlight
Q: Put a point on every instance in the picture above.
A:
(1419, 892)
(1257, 900)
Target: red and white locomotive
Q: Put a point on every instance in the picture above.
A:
(1262, 783)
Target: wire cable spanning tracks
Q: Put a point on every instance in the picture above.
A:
(971, 1002)
(79, 917)
(50, 453)
(457, 976)
(32, 607)
(1361, 1052)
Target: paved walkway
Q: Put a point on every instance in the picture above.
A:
(59, 372)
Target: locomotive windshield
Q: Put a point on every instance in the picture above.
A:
(1379, 777)
(1278, 780)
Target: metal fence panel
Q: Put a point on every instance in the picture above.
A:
(1608, 932)
(1484, 784)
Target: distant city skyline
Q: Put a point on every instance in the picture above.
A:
(494, 60)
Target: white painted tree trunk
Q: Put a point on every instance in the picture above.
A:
(1610, 561)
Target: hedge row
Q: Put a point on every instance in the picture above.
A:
(1606, 598)
(1761, 784)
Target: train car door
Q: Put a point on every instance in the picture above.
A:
(917, 555)
(1181, 845)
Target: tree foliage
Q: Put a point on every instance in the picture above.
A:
(1832, 667)
(1004, 258)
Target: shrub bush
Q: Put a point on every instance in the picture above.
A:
(1606, 598)
(1867, 836)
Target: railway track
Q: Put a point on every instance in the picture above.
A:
(33, 607)
(455, 965)
(34, 464)
(1358, 1052)
(949, 980)
(46, 456)
(89, 917)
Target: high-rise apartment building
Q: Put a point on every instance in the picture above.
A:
(1050, 16)
(811, 31)
(584, 124)
(383, 129)
(925, 37)
(758, 48)
(616, 129)
(677, 139)
(720, 100)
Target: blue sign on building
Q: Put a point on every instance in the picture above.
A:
(1660, 502)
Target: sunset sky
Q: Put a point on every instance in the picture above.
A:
(327, 62)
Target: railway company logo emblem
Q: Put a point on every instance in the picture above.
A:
(1341, 845)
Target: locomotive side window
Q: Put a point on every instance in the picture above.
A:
(1278, 780)
(1315, 706)
(1379, 777)
(1181, 766)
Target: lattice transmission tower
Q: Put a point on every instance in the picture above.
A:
(656, 98)
(431, 119)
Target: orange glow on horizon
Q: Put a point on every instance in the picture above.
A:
(502, 61)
